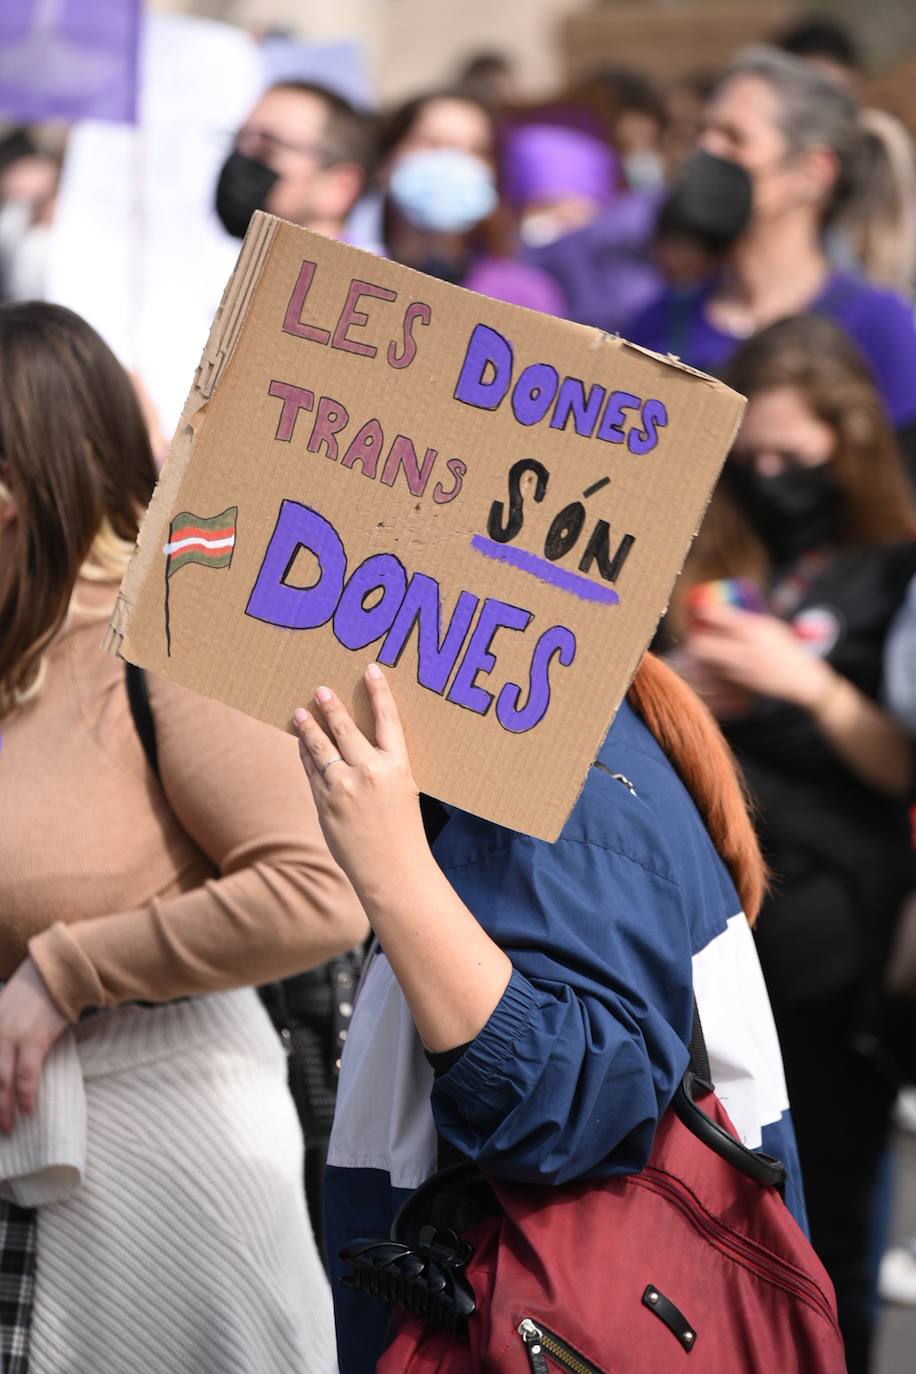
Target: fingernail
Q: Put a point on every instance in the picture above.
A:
(300, 716)
(373, 671)
(323, 695)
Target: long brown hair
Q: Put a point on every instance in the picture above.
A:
(690, 737)
(813, 356)
(493, 235)
(76, 460)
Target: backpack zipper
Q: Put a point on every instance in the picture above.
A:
(745, 1251)
(539, 1343)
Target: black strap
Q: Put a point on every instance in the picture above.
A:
(762, 1168)
(697, 1082)
(142, 712)
(699, 1056)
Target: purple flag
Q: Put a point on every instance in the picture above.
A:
(69, 59)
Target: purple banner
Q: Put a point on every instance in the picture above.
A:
(69, 59)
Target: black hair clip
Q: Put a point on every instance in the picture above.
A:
(427, 1278)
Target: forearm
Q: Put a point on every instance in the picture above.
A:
(450, 971)
(261, 923)
(866, 738)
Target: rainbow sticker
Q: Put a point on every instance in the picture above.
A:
(741, 592)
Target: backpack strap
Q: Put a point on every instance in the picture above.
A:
(697, 1082)
(142, 713)
(699, 1056)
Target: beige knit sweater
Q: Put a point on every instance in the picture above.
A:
(122, 889)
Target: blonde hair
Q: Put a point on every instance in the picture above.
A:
(880, 224)
(108, 557)
(107, 561)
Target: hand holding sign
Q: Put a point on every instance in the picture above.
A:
(365, 794)
(451, 971)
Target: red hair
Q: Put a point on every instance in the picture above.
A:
(689, 735)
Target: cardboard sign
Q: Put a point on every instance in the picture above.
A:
(491, 503)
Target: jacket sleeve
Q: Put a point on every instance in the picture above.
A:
(588, 1043)
(276, 904)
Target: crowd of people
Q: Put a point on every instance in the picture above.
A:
(525, 1006)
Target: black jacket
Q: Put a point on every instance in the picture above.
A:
(840, 851)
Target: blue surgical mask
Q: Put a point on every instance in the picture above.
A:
(443, 190)
(644, 170)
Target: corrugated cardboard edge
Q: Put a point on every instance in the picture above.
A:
(224, 335)
(667, 359)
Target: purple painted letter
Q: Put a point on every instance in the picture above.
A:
(299, 608)
(485, 349)
(517, 719)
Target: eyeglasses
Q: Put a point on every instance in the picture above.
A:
(249, 140)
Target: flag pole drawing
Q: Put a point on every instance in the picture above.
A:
(196, 539)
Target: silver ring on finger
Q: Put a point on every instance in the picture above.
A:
(338, 758)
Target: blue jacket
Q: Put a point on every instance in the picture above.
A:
(611, 931)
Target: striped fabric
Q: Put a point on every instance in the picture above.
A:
(195, 539)
(187, 1247)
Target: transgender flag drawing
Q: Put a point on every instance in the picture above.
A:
(209, 540)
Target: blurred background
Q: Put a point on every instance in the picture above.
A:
(410, 44)
(118, 114)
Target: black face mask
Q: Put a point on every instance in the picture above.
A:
(794, 513)
(243, 187)
(710, 200)
(442, 269)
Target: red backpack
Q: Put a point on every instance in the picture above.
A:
(693, 1264)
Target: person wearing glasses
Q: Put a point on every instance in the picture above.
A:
(303, 153)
